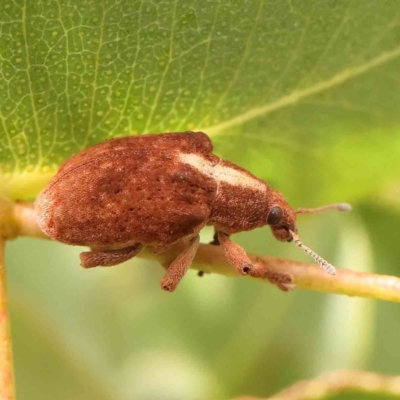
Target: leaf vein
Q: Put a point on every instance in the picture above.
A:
(298, 95)
(96, 74)
(163, 78)
(239, 68)
(31, 96)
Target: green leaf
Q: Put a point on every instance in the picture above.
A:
(298, 92)
(304, 94)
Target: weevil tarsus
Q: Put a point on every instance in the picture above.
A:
(282, 280)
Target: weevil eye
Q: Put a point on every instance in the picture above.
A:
(275, 216)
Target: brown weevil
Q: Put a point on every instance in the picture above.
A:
(158, 191)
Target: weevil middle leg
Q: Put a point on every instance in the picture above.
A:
(179, 266)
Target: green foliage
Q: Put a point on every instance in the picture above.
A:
(304, 94)
(288, 82)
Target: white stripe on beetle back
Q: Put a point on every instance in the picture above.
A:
(220, 172)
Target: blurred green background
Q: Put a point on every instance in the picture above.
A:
(304, 94)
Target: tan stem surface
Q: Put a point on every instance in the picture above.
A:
(7, 387)
(332, 383)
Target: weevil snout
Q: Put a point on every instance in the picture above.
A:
(282, 220)
(283, 233)
(292, 228)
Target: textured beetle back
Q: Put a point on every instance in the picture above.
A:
(129, 190)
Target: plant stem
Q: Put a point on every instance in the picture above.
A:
(211, 259)
(332, 383)
(7, 387)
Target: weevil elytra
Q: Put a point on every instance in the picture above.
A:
(158, 191)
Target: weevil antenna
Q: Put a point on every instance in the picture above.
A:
(329, 268)
(339, 207)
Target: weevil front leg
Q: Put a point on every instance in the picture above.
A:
(108, 258)
(235, 254)
(179, 266)
(238, 257)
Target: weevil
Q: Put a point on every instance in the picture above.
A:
(159, 191)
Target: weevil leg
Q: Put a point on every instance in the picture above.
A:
(179, 266)
(238, 257)
(215, 240)
(235, 254)
(109, 258)
(282, 280)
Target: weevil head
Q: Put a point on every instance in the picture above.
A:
(282, 220)
(281, 217)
